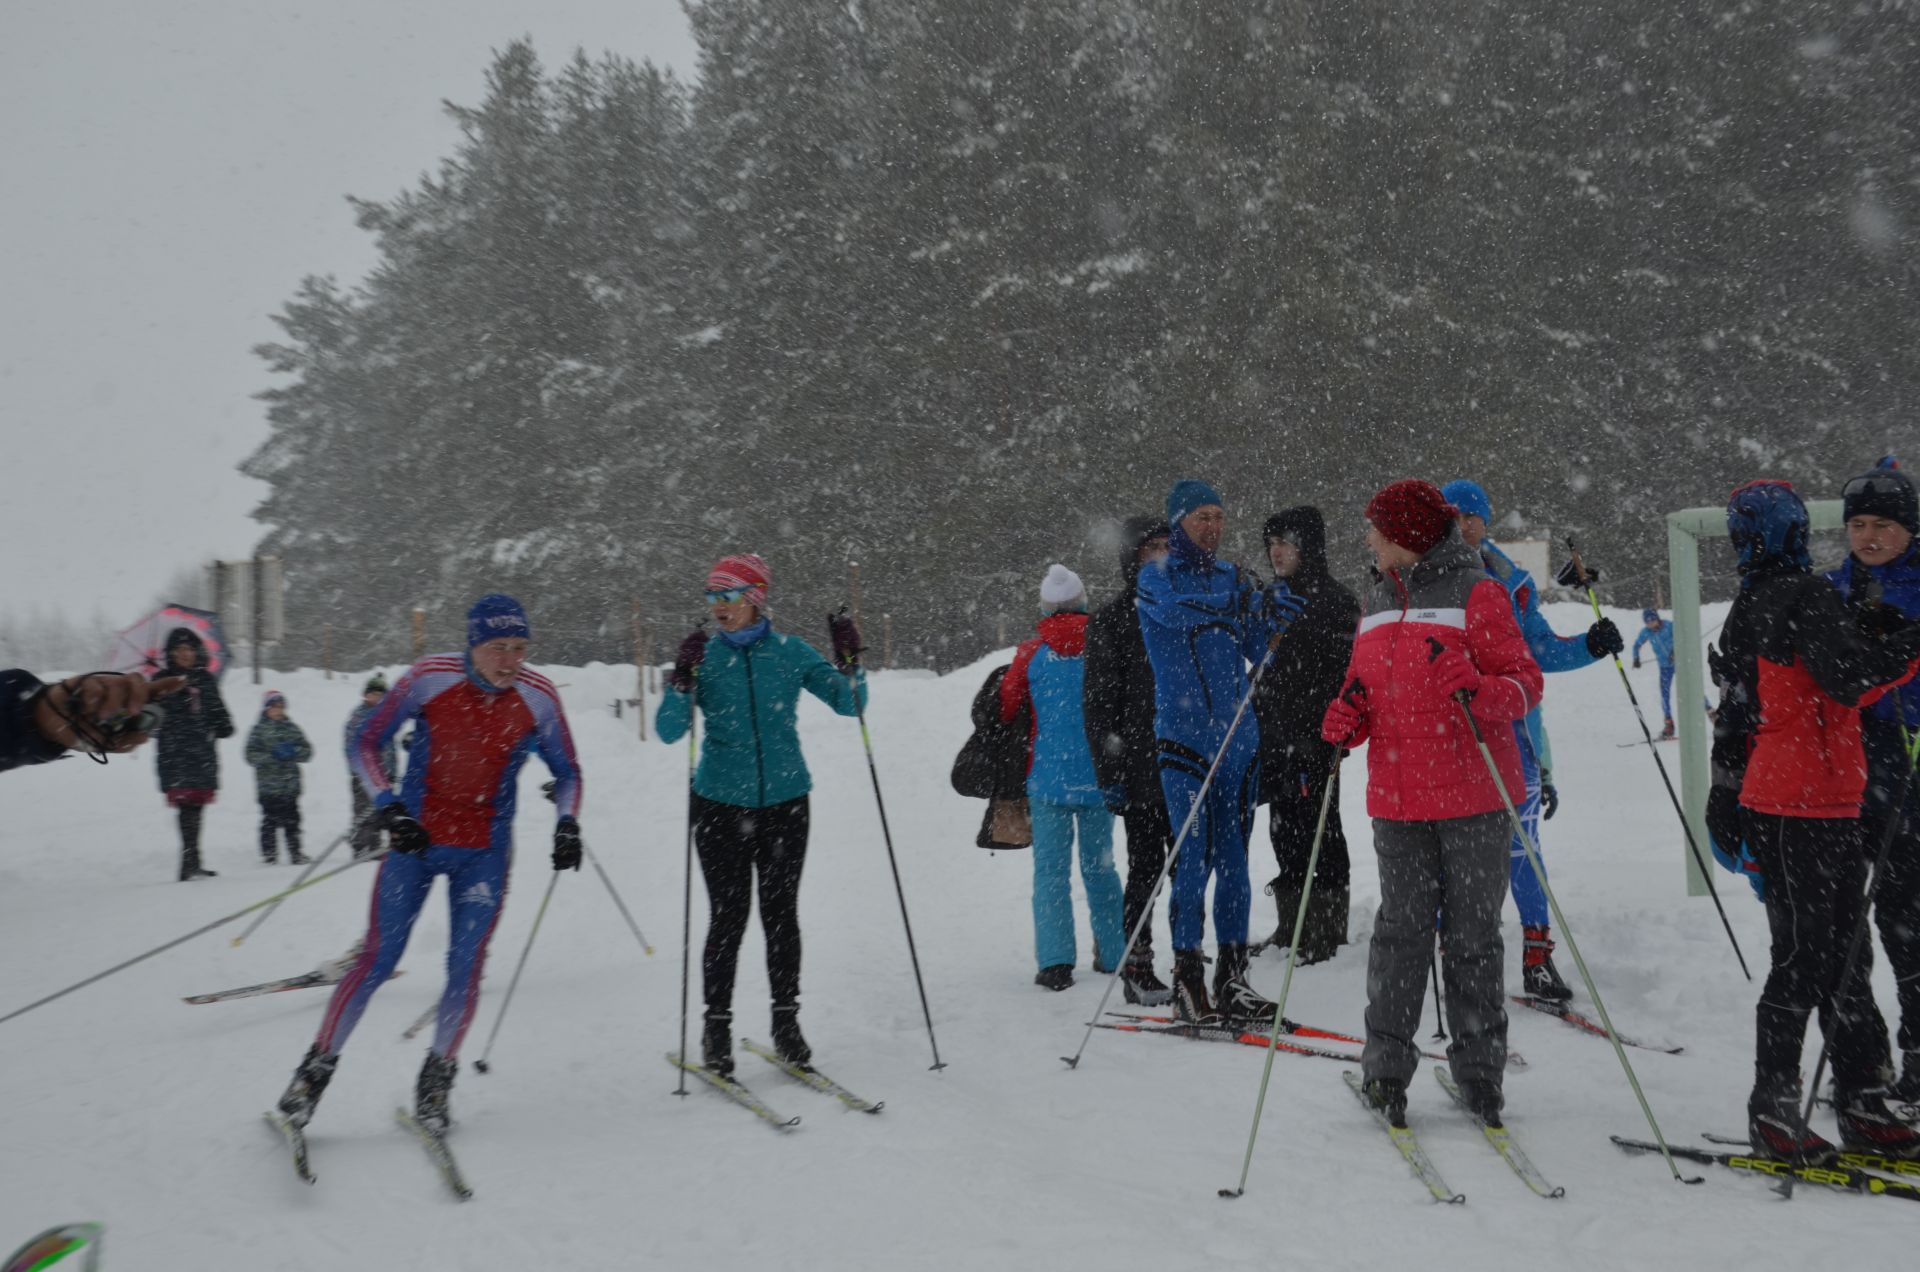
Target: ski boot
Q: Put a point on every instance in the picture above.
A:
(1907, 1089)
(1140, 986)
(431, 1091)
(1057, 977)
(1666, 730)
(716, 1043)
(1483, 1100)
(1867, 1125)
(787, 1039)
(1538, 976)
(1190, 1002)
(308, 1085)
(1233, 996)
(1326, 927)
(1389, 1095)
(1773, 1127)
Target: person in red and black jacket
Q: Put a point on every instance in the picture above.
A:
(1794, 671)
(1436, 634)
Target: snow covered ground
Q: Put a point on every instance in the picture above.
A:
(121, 1104)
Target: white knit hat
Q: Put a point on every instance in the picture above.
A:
(1062, 590)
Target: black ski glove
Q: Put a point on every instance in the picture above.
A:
(404, 832)
(1603, 638)
(1568, 576)
(566, 845)
(1549, 801)
(686, 663)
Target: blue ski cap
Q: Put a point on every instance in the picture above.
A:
(1650, 616)
(1469, 499)
(496, 616)
(1767, 522)
(1186, 496)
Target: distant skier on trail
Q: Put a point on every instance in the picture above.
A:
(1295, 764)
(480, 713)
(1551, 652)
(1794, 669)
(1438, 639)
(276, 748)
(1203, 621)
(1657, 632)
(750, 803)
(1881, 583)
(1047, 684)
(1119, 714)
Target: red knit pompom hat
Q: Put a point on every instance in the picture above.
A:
(744, 570)
(1412, 513)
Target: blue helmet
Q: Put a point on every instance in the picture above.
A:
(1767, 522)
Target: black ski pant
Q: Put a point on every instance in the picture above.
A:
(279, 813)
(1815, 870)
(365, 838)
(1290, 824)
(1896, 904)
(1149, 837)
(190, 819)
(735, 845)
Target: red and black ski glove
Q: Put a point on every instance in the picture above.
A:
(845, 635)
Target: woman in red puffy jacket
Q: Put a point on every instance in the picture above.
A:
(1436, 633)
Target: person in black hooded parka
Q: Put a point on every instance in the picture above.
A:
(1295, 765)
(196, 718)
(1119, 708)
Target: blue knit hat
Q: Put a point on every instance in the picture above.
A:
(495, 616)
(1469, 499)
(1650, 616)
(1188, 495)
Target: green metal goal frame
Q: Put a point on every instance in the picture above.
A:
(1685, 529)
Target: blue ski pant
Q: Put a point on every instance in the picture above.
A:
(1528, 896)
(1215, 848)
(1053, 840)
(476, 891)
(1666, 690)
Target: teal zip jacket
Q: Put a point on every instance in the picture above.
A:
(276, 778)
(750, 756)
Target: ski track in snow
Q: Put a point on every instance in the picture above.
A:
(126, 1106)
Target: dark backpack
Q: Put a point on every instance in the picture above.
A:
(993, 766)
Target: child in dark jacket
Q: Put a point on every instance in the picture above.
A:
(276, 749)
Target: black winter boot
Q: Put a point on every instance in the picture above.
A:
(1906, 1090)
(1773, 1127)
(1234, 997)
(1287, 901)
(309, 1083)
(1483, 1099)
(190, 867)
(787, 1039)
(1326, 926)
(1056, 976)
(1190, 1001)
(1138, 982)
(431, 1091)
(716, 1043)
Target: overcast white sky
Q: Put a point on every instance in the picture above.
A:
(169, 170)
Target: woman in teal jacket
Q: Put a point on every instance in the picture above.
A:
(750, 789)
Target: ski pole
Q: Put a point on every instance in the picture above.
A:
(1166, 869)
(1586, 581)
(302, 877)
(866, 740)
(1286, 984)
(624, 912)
(480, 1065)
(182, 940)
(686, 896)
(1895, 816)
(1439, 1014)
(1560, 921)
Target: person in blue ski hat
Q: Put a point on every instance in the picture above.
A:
(1553, 652)
(1203, 621)
(1657, 632)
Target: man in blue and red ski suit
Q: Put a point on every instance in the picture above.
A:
(477, 715)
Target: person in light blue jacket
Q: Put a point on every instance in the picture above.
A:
(1553, 652)
(1049, 673)
(750, 807)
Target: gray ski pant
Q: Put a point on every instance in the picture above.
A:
(1456, 869)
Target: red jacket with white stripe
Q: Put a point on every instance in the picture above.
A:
(1423, 764)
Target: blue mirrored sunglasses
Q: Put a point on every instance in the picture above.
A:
(732, 596)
